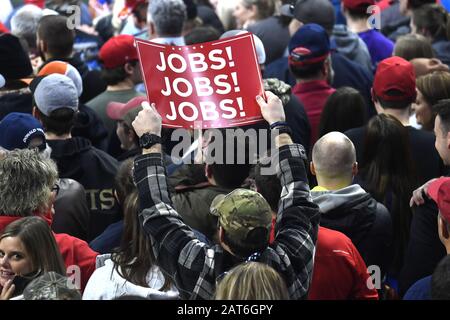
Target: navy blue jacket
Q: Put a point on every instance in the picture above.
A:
(346, 74)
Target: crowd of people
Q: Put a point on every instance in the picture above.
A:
(349, 199)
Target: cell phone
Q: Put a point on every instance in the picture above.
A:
(20, 284)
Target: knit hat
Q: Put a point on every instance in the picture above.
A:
(14, 61)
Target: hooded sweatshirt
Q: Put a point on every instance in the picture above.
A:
(95, 170)
(354, 212)
(351, 46)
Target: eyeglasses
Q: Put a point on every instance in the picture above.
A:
(55, 189)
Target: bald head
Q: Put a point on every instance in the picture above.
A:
(333, 156)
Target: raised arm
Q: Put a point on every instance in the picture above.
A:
(176, 249)
(298, 217)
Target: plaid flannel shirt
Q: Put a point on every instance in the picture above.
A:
(195, 266)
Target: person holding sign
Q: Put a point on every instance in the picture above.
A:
(244, 216)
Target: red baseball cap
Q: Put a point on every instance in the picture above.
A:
(395, 73)
(439, 191)
(359, 5)
(125, 111)
(117, 51)
(39, 3)
(130, 5)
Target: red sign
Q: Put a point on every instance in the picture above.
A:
(208, 85)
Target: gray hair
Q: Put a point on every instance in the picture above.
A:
(168, 16)
(26, 182)
(25, 22)
(333, 155)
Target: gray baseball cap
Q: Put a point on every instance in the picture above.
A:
(320, 12)
(54, 92)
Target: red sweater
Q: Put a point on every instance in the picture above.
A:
(313, 95)
(339, 271)
(74, 251)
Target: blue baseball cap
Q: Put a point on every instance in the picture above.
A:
(309, 45)
(17, 130)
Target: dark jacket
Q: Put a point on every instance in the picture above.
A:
(442, 50)
(424, 250)
(194, 266)
(210, 18)
(294, 110)
(72, 214)
(88, 125)
(15, 101)
(426, 159)
(95, 170)
(109, 239)
(346, 74)
(193, 203)
(360, 217)
(274, 36)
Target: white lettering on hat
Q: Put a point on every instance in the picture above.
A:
(32, 131)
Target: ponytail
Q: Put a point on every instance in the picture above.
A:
(433, 21)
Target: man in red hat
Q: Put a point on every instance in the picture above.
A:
(121, 72)
(393, 92)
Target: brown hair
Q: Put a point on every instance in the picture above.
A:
(412, 46)
(389, 175)
(434, 87)
(432, 20)
(134, 259)
(39, 242)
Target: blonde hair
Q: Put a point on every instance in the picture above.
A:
(252, 281)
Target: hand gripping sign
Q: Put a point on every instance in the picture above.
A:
(213, 84)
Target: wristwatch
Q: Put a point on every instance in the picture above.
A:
(148, 140)
(281, 127)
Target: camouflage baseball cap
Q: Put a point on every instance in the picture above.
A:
(240, 212)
